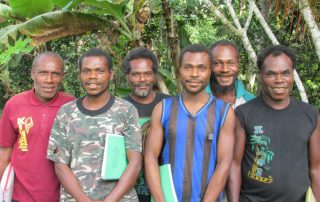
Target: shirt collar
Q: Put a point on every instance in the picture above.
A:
(240, 90)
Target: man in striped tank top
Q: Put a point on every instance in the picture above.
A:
(193, 132)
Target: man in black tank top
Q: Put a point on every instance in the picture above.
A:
(276, 155)
(141, 67)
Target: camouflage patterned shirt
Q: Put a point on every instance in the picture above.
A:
(78, 138)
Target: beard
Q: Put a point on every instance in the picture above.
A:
(217, 89)
(143, 93)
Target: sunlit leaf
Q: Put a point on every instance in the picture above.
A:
(30, 8)
(53, 25)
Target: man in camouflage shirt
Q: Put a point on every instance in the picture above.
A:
(77, 138)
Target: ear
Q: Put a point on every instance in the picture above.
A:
(111, 74)
(32, 73)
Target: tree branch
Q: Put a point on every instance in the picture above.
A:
(311, 23)
(246, 26)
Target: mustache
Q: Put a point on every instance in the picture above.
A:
(91, 82)
(144, 84)
(194, 80)
(227, 75)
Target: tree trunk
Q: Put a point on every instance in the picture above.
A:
(173, 39)
(246, 43)
(312, 25)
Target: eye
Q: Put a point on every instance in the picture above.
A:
(149, 74)
(270, 73)
(187, 67)
(85, 71)
(56, 74)
(202, 68)
(287, 73)
(217, 63)
(134, 74)
(100, 71)
(231, 64)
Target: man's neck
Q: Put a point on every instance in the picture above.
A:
(194, 102)
(96, 102)
(144, 100)
(278, 105)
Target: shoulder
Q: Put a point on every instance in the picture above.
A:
(23, 97)
(169, 100)
(161, 95)
(221, 104)
(123, 105)
(305, 106)
(65, 97)
(310, 111)
(69, 107)
(247, 106)
(127, 97)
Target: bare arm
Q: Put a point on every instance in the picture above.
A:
(234, 180)
(5, 154)
(128, 178)
(225, 153)
(314, 152)
(153, 148)
(70, 182)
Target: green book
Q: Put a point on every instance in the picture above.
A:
(309, 196)
(168, 190)
(114, 158)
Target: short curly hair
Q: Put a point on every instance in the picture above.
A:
(276, 50)
(195, 48)
(96, 52)
(224, 42)
(140, 53)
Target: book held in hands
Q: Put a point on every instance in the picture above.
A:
(166, 179)
(6, 184)
(114, 159)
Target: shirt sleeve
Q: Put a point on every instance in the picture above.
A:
(8, 134)
(58, 146)
(131, 130)
(240, 115)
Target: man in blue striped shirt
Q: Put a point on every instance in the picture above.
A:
(193, 132)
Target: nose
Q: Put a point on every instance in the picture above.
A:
(93, 74)
(224, 67)
(279, 78)
(142, 77)
(49, 78)
(194, 72)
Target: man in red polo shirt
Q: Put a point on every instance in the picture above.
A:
(25, 128)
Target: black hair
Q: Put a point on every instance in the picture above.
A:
(195, 48)
(99, 53)
(275, 51)
(138, 53)
(225, 42)
(47, 53)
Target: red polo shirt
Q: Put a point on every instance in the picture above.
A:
(26, 125)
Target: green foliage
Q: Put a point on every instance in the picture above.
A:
(5, 12)
(30, 8)
(51, 26)
(20, 47)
